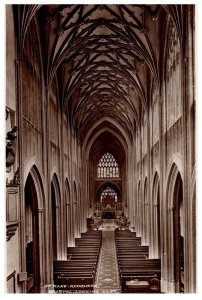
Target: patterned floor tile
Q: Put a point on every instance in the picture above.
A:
(107, 280)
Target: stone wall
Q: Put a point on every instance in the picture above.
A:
(48, 144)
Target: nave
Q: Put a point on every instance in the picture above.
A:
(119, 264)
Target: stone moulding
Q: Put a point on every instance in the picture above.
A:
(12, 210)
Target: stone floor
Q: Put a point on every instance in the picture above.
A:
(107, 280)
(108, 224)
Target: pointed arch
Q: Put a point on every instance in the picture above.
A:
(34, 200)
(56, 186)
(68, 211)
(106, 184)
(175, 239)
(55, 216)
(109, 125)
(75, 192)
(33, 169)
(156, 217)
(67, 192)
(108, 191)
(75, 209)
(138, 209)
(111, 191)
(145, 212)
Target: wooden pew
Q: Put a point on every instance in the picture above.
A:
(88, 243)
(84, 249)
(142, 272)
(73, 263)
(74, 276)
(75, 283)
(61, 267)
(135, 269)
(128, 239)
(132, 247)
(140, 264)
(82, 256)
(128, 257)
(133, 251)
(137, 275)
(77, 273)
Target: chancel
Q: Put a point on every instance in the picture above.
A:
(100, 149)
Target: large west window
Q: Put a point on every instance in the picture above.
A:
(108, 167)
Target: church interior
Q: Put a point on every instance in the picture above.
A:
(100, 149)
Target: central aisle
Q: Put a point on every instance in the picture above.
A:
(107, 280)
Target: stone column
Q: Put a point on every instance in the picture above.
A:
(162, 175)
(187, 102)
(149, 185)
(42, 239)
(19, 114)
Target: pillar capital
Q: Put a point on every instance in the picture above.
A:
(38, 210)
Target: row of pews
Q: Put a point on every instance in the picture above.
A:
(138, 273)
(77, 273)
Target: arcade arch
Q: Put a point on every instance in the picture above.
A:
(34, 223)
(175, 229)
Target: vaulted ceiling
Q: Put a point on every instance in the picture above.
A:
(102, 56)
(101, 49)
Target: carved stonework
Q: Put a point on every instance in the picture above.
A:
(10, 148)
(7, 112)
(12, 210)
(10, 230)
(16, 178)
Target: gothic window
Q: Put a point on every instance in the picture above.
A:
(173, 51)
(173, 77)
(107, 167)
(108, 193)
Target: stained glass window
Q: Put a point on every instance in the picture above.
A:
(107, 167)
(108, 193)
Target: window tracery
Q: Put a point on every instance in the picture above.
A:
(108, 167)
(173, 77)
(108, 193)
(173, 51)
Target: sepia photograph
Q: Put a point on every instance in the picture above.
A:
(100, 145)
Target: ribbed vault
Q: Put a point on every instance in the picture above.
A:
(101, 53)
(103, 57)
